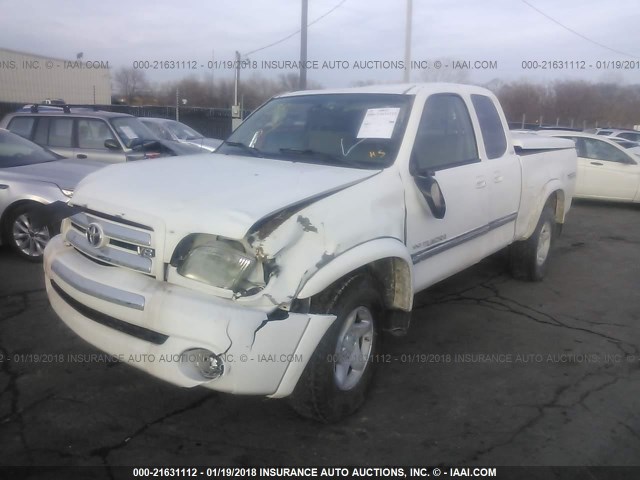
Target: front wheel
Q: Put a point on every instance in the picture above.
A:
(23, 235)
(336, 379)
(529, 258)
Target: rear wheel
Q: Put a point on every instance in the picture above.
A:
(24, 236)
(529, 258)
(336, 379)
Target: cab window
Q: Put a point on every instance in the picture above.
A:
(495, 142)
(41, 136)
(445, 136)
(61, 132)
(22, 126)
(92, 133)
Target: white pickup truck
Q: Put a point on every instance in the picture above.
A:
(273, 266)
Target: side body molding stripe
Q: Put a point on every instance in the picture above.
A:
(460, 239)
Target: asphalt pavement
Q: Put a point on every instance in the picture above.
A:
(494, 371)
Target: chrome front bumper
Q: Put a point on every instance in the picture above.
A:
(149, 323)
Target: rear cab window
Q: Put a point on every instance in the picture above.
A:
(495, 141)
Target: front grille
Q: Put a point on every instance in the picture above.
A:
(111, 322)
(122, 243)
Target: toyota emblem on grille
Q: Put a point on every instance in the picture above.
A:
(95, 235)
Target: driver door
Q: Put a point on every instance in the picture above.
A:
(445, 148)
(92, 133)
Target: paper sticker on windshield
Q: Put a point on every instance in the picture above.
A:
(378, 123)
(128, 131)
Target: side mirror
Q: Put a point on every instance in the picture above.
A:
(111, 144)
(432, 193)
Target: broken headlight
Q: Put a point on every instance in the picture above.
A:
(217, 262)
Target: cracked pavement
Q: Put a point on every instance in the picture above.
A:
(493, 372)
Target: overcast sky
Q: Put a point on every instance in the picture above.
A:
(505, 31)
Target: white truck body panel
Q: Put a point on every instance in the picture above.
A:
(306, 224)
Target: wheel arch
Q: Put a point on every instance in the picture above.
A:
(386, 259)
(552, 194)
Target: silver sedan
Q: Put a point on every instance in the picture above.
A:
(30, 178)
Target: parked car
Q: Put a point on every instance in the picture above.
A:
(606, 170)
(273, 266)
(30, 177)
(173, 130)
(629, 145)
(632, 135)
(605, 132)
(88, 134)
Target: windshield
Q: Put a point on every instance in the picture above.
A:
(182, 131)
(16, 151)
(132, 132)
(361, 130)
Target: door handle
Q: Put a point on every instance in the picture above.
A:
(596, 163)
(81, 155)
(4, 187)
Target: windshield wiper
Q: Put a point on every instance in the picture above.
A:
(326, 156)
(141, 143)
(252, 150)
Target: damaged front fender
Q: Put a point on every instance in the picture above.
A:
(307, 248)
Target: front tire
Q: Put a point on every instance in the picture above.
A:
(529, 258)
(336, 379)
(24, 237)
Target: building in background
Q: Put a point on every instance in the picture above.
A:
(31, 78)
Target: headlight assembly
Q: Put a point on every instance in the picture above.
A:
(217, 262)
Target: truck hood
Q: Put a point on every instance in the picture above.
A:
(64, 173)
(209, 193)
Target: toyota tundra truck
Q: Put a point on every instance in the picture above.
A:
(273, 266)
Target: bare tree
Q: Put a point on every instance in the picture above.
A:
(572, 103)
(131, 83)
(531, 99)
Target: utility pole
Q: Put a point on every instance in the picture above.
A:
(213, 62)
(407, 43)
(303, 45)
(236, 112)
(237, 82)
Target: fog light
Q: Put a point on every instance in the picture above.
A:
(203, 362)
